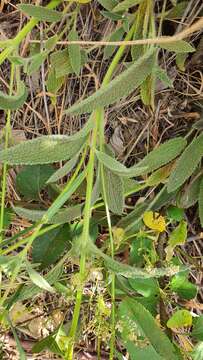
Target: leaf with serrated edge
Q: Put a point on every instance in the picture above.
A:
(41, 13)
(13, 102)
(179, 46)
(121, 86)
(186, 164)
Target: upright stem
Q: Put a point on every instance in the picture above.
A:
(7, 134)
(85, 240)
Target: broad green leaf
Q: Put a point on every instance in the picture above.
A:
(179, 46)
(37, 279)
(200, 203)
(74, 52)
(197, 353)
(179, 319)
(175, 213)
(47, 248)
(61, 64)
(43, 150)
(63, 216)
(189, 194)
(118, 168)
(41, 13)
(186, 164)
(31, 180)
(114, 191)
(51, 42)
(13, 102)
(53, 84)
(121, 86)
(132, 221)
(35, 62)
(145, 287)
(139, 249)
(163, 154)
(133, 313)
(108, 4)
(197, 331)
(154, 221)
(145, 352)
(126, 4)
(183, 287)
(63, 171)
(115, 36)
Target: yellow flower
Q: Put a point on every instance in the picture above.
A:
(154, 221)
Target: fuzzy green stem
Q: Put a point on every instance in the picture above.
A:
(7, 134)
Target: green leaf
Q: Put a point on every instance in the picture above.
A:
(126, 4)
(197, 331)
(47, 248)
(63, 216)
(48, 343)
(63, 171)
(13, 102)
(200, 202)
(61, 64)
(140, 248)
(43, 150)
(28, 291)
(197, 353)
(133, 313)
(53, 83)
(108, 4)
(189, 194)
(179, 46)
(133, 272)
(74, 52)
(115, 36)
(163, 154)
(31, 180)
(181, 286)
(162, 75)
(41, 13)
(114, 191)
(186, 164)
(179, 319)
(37, 279)
(121, 86)
(118, 168)
(180, 60)
(35, 62)
(145, 287)
(177, 237)
(147, 352)
(177, 11)
(175, 213)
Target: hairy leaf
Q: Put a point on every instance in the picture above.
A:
(41, 13)
(13, 102)
(60, 62)
(114, 191)
(163, 154)
(179, 46)
(118, 168)
(74, 52)
(63, 216)
(132, 311)
(115, 36)
(63, 171)
(200, 202)
(186, 164)
(121, 86)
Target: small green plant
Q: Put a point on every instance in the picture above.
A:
(67, 229)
